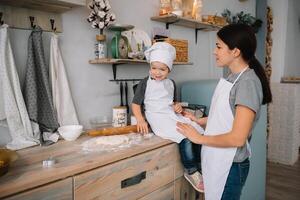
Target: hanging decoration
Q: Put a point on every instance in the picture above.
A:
(268, 68)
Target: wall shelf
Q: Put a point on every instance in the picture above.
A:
(17, 13)
(116, 62)
(55, 6)
(186, 22)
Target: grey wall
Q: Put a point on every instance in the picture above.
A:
(286, 43)
(292, 66)
(93, 94)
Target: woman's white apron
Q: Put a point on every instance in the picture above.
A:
(216, 162)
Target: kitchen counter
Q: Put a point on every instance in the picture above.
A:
(27, 172)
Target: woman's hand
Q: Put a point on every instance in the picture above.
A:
(142, 126)
(189, 131)
(177, 108)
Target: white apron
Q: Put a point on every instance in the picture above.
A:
(160, 113)
(216, 162)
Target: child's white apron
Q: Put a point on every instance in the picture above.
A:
(159, 110)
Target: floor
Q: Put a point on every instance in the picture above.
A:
(283, 181)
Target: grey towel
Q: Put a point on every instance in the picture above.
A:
(36, 91)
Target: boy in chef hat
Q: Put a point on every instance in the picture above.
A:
(155, 97)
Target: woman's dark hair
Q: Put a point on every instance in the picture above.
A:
(242, 37)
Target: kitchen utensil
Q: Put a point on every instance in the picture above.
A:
(126, 97)
(119, 43)
(121, 94)
(119, 116)
(6, 158)
(134, 87)
(49, 162)
(113, 131)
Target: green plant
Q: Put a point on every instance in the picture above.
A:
(242, 18)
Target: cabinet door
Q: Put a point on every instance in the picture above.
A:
(131, 178)
(61, 190)
(167, 192)
(184, 190)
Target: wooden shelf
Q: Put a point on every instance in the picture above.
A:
(186, 22)
(116, 62)
(127, 61)
(55, 6)
(182, 21)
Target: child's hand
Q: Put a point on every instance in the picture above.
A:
(177, 108)
(142, 126)
(189, 115)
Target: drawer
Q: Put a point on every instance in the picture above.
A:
(62, 190)
(131, 178)
(165, 193)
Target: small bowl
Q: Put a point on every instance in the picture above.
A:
(70, 132)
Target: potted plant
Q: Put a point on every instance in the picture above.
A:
(242, 18)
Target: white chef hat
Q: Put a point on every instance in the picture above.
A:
(161, 52)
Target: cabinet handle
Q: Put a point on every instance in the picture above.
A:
(133, 180)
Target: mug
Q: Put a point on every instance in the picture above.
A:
(119, 116)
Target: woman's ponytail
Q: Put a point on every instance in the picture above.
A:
(260, 72)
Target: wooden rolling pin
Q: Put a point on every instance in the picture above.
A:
(113, 131)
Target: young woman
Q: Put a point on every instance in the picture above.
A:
(235, 108)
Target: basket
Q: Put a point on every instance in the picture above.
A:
(181, 47)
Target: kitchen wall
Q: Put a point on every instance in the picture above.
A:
(286, 43)
(292, 65)
(93, 94)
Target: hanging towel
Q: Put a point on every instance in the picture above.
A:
(37, 92)
(13, 112)
(62, 98)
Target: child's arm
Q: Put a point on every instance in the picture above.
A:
(142, 125)
(177, 107)
(201, 121)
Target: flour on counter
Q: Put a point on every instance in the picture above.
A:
(114, 142)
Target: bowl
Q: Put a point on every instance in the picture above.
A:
(70, 132)
(6, 158)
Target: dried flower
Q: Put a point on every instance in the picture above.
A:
(100, 16)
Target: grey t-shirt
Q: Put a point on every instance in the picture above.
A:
(247, 91)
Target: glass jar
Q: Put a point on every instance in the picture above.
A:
(177, 7)
(197, 10)
(165, 7)
(100, 47)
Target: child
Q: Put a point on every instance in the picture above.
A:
(156, 93)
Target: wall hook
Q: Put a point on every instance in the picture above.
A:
(52, 21)
(1, 22)
(31, 18)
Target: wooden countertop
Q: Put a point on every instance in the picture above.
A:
(27, 172)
